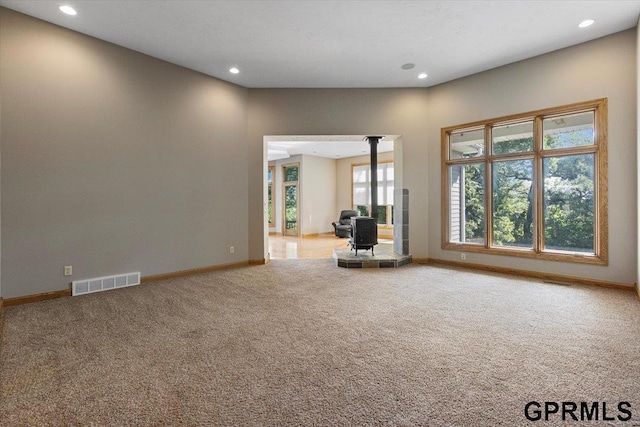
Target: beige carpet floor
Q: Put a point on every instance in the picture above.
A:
(303, 342)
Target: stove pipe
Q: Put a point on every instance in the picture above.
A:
(373, 143)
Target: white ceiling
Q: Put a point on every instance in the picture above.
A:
(338, 43)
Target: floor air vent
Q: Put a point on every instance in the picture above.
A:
(99, 284)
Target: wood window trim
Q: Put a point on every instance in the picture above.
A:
(283, 168)
(599, 149)
(271, 184)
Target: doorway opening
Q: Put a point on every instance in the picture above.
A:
(309, 180)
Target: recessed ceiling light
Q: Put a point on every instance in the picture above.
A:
(422, 76)
(68, 10)
(234, 70)
(586, 23)
(408, 66)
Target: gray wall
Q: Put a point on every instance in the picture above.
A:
(638, 142)
(602, 68)
(339, 112)
(2, 31)
(113, 161)
(318, 189)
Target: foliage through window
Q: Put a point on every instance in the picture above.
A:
(529, 185)
(270, 178)
(291, 175)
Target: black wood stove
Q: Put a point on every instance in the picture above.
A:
(364, 233)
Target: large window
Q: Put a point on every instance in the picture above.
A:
(532, 185)
(362, 191)
(291, 196)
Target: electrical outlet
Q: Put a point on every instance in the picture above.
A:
(463, 256)
(68, 270)
(232, 250)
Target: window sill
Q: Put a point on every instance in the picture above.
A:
(529, 253)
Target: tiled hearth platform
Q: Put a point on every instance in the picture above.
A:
(384, 257)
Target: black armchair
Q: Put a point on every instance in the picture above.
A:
(342, 227)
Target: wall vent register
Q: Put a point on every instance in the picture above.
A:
(99, 284)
